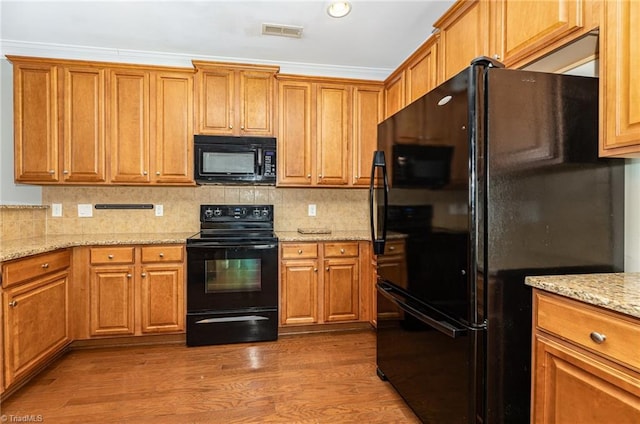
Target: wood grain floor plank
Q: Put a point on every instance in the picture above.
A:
(310, 378)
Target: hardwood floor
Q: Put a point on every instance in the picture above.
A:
(311, 378)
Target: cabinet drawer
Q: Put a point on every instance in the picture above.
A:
(299, 250)
(162, 253)
(340, 250)
(578, 323)
(112, 255)
(394, 247)
(21, 270)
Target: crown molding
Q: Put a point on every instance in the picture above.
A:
(66, 51)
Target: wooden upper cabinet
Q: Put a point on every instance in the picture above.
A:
(173, 152)
(294, 132)
(422, 70)
(84, 142)
(129, 130)
(394, 93)
(367, 113)
(524, 30)
(35, 113)
(235, 99)
(333, 139)
(620, 79)
(464, 35)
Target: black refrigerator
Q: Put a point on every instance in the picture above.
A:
(490, 177)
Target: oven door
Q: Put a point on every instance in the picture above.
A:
(223, 277)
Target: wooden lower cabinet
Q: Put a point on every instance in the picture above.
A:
(576, 380)
(136, 290)
(35, 314)
(310, 294)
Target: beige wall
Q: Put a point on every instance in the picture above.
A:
(337, 209)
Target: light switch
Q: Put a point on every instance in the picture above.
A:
(85, 210)
(159, 210)
(56, 209)
(312, 210)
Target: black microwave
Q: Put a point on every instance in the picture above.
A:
(235, 160)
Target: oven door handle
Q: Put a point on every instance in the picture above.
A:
(442, 326)
(234, 246)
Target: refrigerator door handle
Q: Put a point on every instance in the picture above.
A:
(378, 162)
(442, 326)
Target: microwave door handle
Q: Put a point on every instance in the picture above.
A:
(259, 161)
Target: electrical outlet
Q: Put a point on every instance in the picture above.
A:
(56, 209)
(159, 210)
(85, 210)
(312, 210)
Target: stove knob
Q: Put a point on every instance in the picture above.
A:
(217, 212)
(208, 213)
(256, 213)
(265, 212)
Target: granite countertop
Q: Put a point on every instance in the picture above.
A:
(619, 292)
(14, 249)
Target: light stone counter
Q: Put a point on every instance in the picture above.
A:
(619, 292)
(14, 249)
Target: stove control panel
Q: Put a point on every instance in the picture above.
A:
(213, 213)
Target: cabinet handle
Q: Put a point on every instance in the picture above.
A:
(144, 172)
(496, 56)
(308, 175)
(357, 177)
(598, 338)
(320, 176)
(144, 274)
(315, 269)
(157, 172)
(110, 256)
(13, 303)
(242, 128)
(129, 275)
(342, 251)
(392, 248)
(327, 268)
(161, 255)
(230, 127)
(299, 251)
(45, 266)
(65, 172)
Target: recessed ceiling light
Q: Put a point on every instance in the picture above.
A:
(339, 9)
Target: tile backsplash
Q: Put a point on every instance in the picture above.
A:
(18, 222)
(336, 209)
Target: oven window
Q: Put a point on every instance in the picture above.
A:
(228, 163)
(233, 275)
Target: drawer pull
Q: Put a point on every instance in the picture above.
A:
(144, 274)
(13, 303)
(342, 251)
(110, 256)
(161, 255)
(392, 248)
(299, 251)
(129, 275)
(45, 266)
(597, 337)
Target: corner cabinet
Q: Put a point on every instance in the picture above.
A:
(35, 308)
(620, 79)
(320, 283)
(586, 367)
(235, 99)
(69, 114)
(327, 131)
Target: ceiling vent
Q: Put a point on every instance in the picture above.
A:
(282, 30)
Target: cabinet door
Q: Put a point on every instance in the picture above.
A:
(620, 79)
(112, 301)
(332, 135)
(394, 96)
(571, 387)
(367, 112)
(256, 97)
(174, 128)
(463, 36)
(35, 325)
(129, 130)
(299, 292)
(294, 133)
(341, 290)
(422, 71)
(162, 298)
(216, 99)
(35, 115)
(84, 125)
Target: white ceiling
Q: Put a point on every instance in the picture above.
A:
(372, 40)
